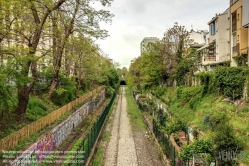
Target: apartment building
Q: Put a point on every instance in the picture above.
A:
(217, 50)
(145, 41)
(239, 34)
(200, 38)
(245, 21)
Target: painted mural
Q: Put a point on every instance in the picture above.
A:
(36, 153)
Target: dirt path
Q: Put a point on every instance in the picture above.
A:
(129, 145)
(121, 147)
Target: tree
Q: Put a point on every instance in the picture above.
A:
(134, 75)
(152, 68)
(224, 137)
(26, 21)
(176, 43)
(82, 18)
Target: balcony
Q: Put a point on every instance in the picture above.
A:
(209, 58)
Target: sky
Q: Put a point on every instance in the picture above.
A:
(136, 19)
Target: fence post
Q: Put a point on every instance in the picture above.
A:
(88, 145)
(83, 151)
(174, 156)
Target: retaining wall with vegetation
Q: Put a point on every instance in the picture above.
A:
(53, 138)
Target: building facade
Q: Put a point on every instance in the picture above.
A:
(200, 38)
(238, 34)
(145, 41)
(245, 21)
(217, 50)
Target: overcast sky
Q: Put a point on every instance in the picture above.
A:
(136, 19)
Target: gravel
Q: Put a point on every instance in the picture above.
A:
(129, 145)
(121, 148)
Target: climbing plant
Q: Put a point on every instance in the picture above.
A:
(231, 80)
(178, 125)
(240, 60)
(199, 146)
(208, 81)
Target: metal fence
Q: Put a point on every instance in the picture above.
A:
(164, 140)
(88, 143)
(168, 148)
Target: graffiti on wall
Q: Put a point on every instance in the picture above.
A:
(37, 152)
(42, 148)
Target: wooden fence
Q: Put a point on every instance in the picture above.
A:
(11, 140)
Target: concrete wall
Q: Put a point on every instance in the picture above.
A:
(245, 13)
(223, 48)
(198, 37)
(37, 152)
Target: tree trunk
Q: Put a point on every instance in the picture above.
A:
(55, 81)
(23, 99)
(60, 48)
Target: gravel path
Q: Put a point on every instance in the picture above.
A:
(129, 145)
(121, 148)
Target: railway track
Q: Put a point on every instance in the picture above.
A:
(115, 131)
(121, 149)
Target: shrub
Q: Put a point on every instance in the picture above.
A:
(65, 92)
(190, 94)
(35, 109)
(231, 80)
(176, 126)
(244, 109)
(160, 91)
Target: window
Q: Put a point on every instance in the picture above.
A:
(234, 22)
(212, 28)
(233, 1)
(234, 48)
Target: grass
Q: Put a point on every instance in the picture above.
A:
(99, 157)
(133, 111)
(106, 136)
(210, 104)
(76, 147)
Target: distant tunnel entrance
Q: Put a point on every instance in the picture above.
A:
(122, 82)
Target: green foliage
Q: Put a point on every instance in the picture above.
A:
(113, 78)
(65, 93)
(199, 146)
(208, 80)
(7, 98)
(36, 109)
(230, 81)
(159, 92)
(147, 70)
(109, 91)
(133, 111)
(151, 66)
(224, 137)
(191, 95)
(106, 136)
(185, 66)
(76, 147)
(142, 96)
(240, 60)
(244, 109)
(99, 157)
(178, 125)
